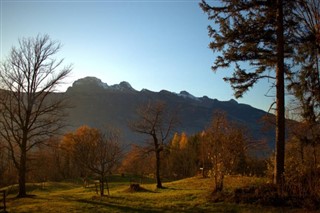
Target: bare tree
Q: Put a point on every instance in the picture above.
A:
(97, 151)
(30, 113)
(155, 121)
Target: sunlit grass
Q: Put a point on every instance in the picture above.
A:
(187, 195)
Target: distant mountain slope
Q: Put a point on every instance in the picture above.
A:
(97, 104)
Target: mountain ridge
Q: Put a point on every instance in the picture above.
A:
(125, 86)
(98, 104)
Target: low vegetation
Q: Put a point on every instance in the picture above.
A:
(187, 195)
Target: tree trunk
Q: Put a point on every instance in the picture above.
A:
(159, 184)
(280, 114)
(102, 186)
(107, 184)
(22, 173)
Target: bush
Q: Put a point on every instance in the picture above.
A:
(265, 195)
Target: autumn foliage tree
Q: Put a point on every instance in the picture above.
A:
(30, 112)
(182, 156)
(226, 146)
(67, 167)
(96, 150)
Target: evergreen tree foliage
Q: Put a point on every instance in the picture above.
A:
(247, 33)
(259, 33)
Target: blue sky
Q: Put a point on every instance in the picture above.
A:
(153, 44)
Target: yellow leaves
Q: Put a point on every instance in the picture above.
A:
(175, 141)
(183, 141)
(179, 141)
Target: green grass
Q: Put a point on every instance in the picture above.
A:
(187, 195)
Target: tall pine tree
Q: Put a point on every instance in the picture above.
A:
(257, 32)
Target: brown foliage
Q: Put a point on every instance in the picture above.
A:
(96, 151)
(225, 146)
(138, 162)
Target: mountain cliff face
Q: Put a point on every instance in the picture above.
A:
(97, 104)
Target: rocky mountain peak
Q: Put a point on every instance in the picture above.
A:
(185, 94)
(89, 81)
(123, 86)
(92, 83)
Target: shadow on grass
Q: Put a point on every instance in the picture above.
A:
(43, 187)
(114, 207)
(129, 179)
(117, 206)
(136, 188)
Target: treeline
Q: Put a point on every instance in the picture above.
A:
(187, 156)
(224, 148)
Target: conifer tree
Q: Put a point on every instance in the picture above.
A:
(258, 33)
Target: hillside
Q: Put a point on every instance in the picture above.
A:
(97, 104)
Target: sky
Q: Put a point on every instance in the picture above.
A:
(152, 44)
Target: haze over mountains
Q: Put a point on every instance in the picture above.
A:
(98, 104)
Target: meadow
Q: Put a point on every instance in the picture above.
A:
(187, 195)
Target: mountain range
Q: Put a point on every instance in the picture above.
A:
(97, 104)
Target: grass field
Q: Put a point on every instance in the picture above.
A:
(187, 195)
